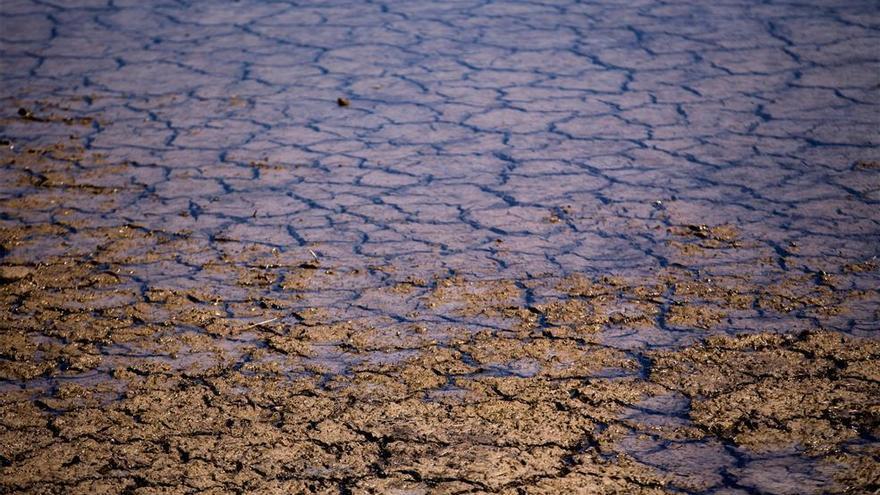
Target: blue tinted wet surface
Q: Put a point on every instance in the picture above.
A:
(493, 141)
(473, 121)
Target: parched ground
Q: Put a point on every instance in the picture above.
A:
(451, 247)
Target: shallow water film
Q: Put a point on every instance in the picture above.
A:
(440, 247)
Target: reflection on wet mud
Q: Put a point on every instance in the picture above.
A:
(439, 248)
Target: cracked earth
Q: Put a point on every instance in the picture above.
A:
(440, 247)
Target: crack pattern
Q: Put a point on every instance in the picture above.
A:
(439, 247)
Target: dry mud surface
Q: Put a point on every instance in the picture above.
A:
(451, 247)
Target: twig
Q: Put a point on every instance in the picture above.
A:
(270, 320)
(314, 255)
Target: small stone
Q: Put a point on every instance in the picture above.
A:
(343, 102)
(10, 272)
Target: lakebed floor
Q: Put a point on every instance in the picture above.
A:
(540, 249)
